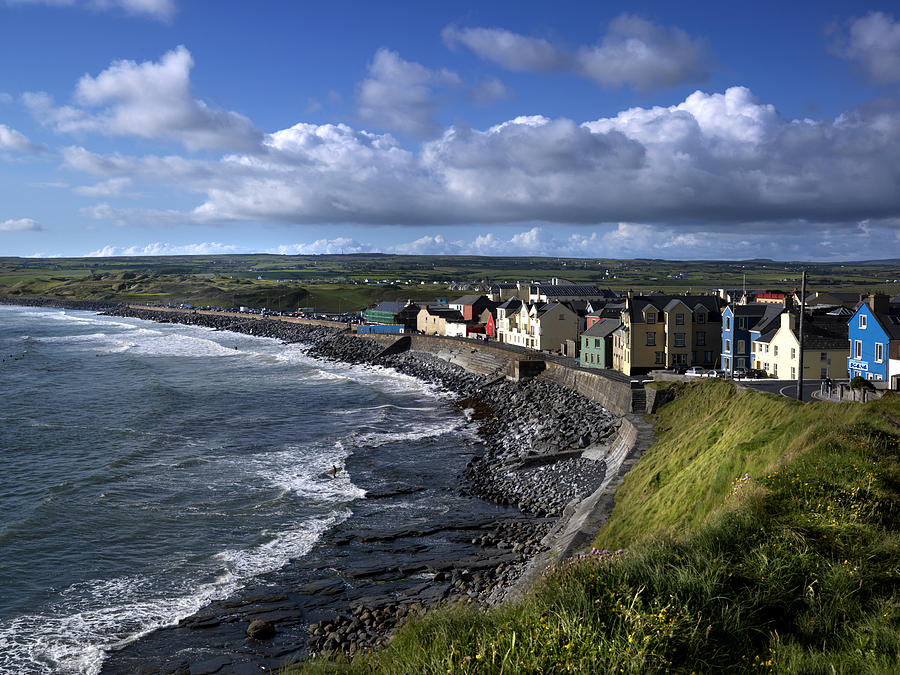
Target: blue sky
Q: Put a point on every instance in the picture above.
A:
(589, 129)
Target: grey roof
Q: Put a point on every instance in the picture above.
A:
(602, 328)
(767, 337)
(825, 332)
(574, 290)
(394, 307)
(469, 299)
(510, 305)
(504, 286)
(751, 309)
(890, 321)
(673, 303)
(771, 318)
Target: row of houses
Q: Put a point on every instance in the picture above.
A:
(639, 333)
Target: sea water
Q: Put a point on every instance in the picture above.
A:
(148, 469)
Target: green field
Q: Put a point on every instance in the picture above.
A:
(352, 282)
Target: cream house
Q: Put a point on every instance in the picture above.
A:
(539, 326)
(826, 348)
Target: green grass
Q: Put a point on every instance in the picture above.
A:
(795, 568)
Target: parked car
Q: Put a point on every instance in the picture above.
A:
(756, 374)
(679, 369)
(696, 370)
(739, 372)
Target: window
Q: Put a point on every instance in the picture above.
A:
(879, 352)
(701, 339)
(727, 346)
(598, 342)
(651, 339)
(561, 316)
(707, 356)
(823, 356)
(775, 370)
(740, 346)
(651, 317)
(767, 348)
(793, 353)
(679, 319)
(701, 317)
(742, 363)
(727, 323)
(660, 356)
(775, 348)
(679, 339)
(742, 322)
(823, 373)
(862, 321)
(857, 349)
(793, 373)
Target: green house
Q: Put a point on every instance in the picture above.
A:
(596, 344)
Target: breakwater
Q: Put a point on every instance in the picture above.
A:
(549, 451)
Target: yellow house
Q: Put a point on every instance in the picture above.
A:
(826, 348)
(664, 331)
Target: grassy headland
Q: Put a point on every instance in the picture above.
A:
(756, 534)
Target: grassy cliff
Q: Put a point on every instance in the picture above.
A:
(756, 534)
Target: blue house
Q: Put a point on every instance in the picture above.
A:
(874, 331)
(738, 323)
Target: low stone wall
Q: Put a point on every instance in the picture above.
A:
(581, 520)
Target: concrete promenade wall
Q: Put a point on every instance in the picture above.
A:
(490, 358)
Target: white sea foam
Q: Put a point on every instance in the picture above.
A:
(74, 635)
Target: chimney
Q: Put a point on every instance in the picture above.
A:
(879, 303)
(788, 301)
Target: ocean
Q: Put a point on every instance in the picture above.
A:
(149, 469)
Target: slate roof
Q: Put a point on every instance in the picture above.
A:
(751, 309)
(770, 319)
(890, 321)
(504, 286)
(602, 328)
(767, 337)
(468, 300)
(510, 305)
(825, 332)
(574, 290)
(394, 307)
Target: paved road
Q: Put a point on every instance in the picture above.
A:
(785, 387)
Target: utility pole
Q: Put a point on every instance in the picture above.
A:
(800, 337)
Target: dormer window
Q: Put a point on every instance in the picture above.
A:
(701, 317)
(651, 317)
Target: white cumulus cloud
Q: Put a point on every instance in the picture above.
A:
(634, 52)
(162, 10)
(147, 100)
(21, 225)
(402, 95)
(645, 55)
(873, 43)
(164, 248)
(324, 246)
(15, 141)
(508, 49)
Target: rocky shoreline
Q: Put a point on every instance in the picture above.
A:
(533, 432)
